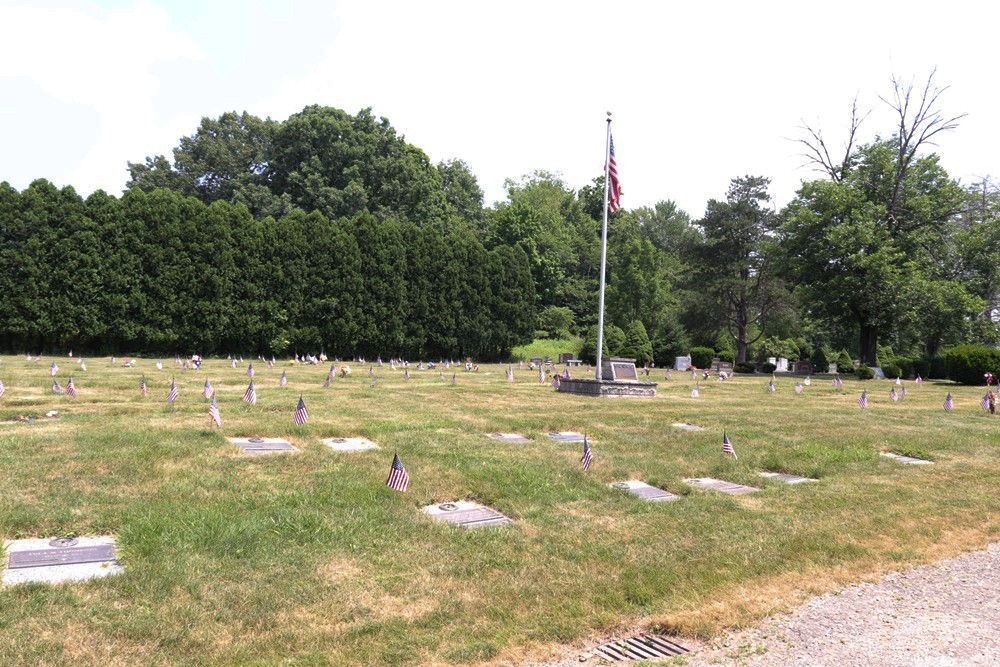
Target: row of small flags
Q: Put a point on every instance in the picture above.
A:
(399, 479)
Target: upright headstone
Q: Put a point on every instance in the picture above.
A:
(682, 363)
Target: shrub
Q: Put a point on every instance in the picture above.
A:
(637, 345)
(701, 357)
(614, 337)
(844, 363)
(588, 352)
(905, 366)
(883, 355)
(922, 367)
(967, 363)
(892, 371)
(864, 373)
(820, 360)
(726, 355)
(938, 369)
(745, 367)
(767, 367)
(669, 342)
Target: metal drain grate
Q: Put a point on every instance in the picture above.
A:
(640, 647)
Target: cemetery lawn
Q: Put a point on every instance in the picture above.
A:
(309, 559)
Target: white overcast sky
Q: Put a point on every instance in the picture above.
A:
(701, 92)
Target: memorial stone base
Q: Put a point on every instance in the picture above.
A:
(607, 388)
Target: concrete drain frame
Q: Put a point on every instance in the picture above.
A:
(60, 560)
(644, 646)
(256, 446)
(515, 438)
(908, 460)
(466, 514)
(785, 477)
(720, 486)
(354, 444)
(645, 491)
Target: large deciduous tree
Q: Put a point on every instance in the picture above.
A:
(855, 242)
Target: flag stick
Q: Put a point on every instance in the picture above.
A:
(604, 250)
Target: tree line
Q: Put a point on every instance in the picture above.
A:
(328, 230)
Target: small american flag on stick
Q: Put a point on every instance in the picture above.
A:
(213, 412)
(70, 388)
(399, 479)
(250, 395)
(863, 400)
(209, 390)
(948, 402)
(173, 391)
(301, 414)
(727, 447)
(142, 386)
(588, 456)
(3, 389)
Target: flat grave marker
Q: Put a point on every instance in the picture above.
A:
(786, 478)
(909, 460)
(509, 437)
(256, 446)
(566, 436)
(720, 486)
(350, 444)
(58, 560)
(467, 514)
(645, 491)
(688, 427)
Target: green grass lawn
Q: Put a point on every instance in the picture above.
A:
(308, 559)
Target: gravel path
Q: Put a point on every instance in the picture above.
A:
(942, 614)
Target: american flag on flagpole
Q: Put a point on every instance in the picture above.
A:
(614, 185)
(326, 382)
(301, 414)
(53, 369)
(863, 400)
(173, 391)
(798, 387)
(727, 447)
(70, 388)
(284, 379)
(399, 479)
(159, 365)
(213, 412)
(919, 380)
(893, 396)
(250, 370)
(209, 390)
(948, 402)
(56, 387)
(695, 392)
(588, 456)
(770, 385)
(250, 396)
(985, 402)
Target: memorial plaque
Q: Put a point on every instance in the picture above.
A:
(787, 479)
(263, 445)
(621, 370)
(645, 491)
(909, 460)
(350, 444)
(688, 427)
(721, 486)
(509, 437)
(566, 436)
(467, 514)
(62, 556)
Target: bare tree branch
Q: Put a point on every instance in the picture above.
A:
(916, 128)
(818, 154)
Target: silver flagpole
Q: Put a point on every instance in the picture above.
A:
(604, 251)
